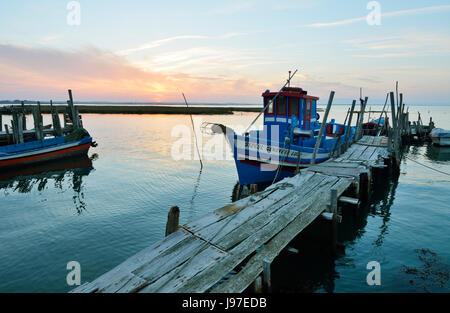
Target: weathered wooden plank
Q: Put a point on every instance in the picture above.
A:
(204, 280)
(139, 259)
(240, 281)
(243, 225)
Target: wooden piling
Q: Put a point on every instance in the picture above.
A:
(322, 127)
(333, 210)
(349, 125)
(20, 128)
(24, 119)
(172, 220)
(395, 136)
(37, 124)
(55, 118)
(267, 282)
(75, 119)
(360, 120)
(1, 125)
(257, 285)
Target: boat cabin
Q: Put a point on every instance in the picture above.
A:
(292, 109)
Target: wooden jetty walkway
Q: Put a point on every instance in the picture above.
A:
(232, 247)
(200, 254)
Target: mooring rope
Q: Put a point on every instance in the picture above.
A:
(431, 168)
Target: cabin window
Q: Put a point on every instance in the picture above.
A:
(293, 107)
(308, 110)
(281, 105)
(269, 109)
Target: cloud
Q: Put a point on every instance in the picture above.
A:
(93, 74)
(410, 44)
(430, 9)
(157, 43)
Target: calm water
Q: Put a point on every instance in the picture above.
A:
(101, 211)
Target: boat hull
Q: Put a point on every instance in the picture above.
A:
(46, 154)
(440, 141)
(266, 162)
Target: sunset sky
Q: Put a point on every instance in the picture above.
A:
(223, 51)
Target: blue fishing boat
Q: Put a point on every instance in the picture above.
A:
(288, 138)
(38, 151)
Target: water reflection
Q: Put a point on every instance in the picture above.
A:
(313, 269)
(436, 153)
(62, 173)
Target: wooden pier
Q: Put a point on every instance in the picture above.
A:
(200, 254)
(231, 248)
(17, 132)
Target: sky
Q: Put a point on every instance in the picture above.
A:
(223, 51)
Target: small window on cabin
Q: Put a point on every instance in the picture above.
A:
(308, 109)
(281, 105)
(269, 109)
(293, 107)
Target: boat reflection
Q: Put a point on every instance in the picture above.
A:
(62, 173)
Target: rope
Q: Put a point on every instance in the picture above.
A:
(195, 135)
(429, 167)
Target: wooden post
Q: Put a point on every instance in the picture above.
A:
(40, 122)
(15, 126)
(381, 115)
(266, 276)
(24, 118)
(322, 128)
(333, 210)
(257, 285)
(36, 124)
(172, 220)
(8, 137)
(334, 201)
(1, 125)
(75, 122)
(395, 131)
(20, 128)
(349, 125)
(361, 119)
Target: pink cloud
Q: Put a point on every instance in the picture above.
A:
(93, 74)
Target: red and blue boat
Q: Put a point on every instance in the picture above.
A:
(38, 151)
(287, 140)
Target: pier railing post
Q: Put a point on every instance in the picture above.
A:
(20, 128)
(322, 128)
(395, 132)
(333, 210)
(349, 125)
(266, 276)
(360, 120)
(73, 112)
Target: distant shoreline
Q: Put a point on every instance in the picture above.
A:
(140, 109)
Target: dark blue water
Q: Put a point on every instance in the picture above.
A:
(106, 208)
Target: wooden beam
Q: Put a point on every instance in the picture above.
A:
(322, 128)
(360, 120)
(349, 127)
(267, 281)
